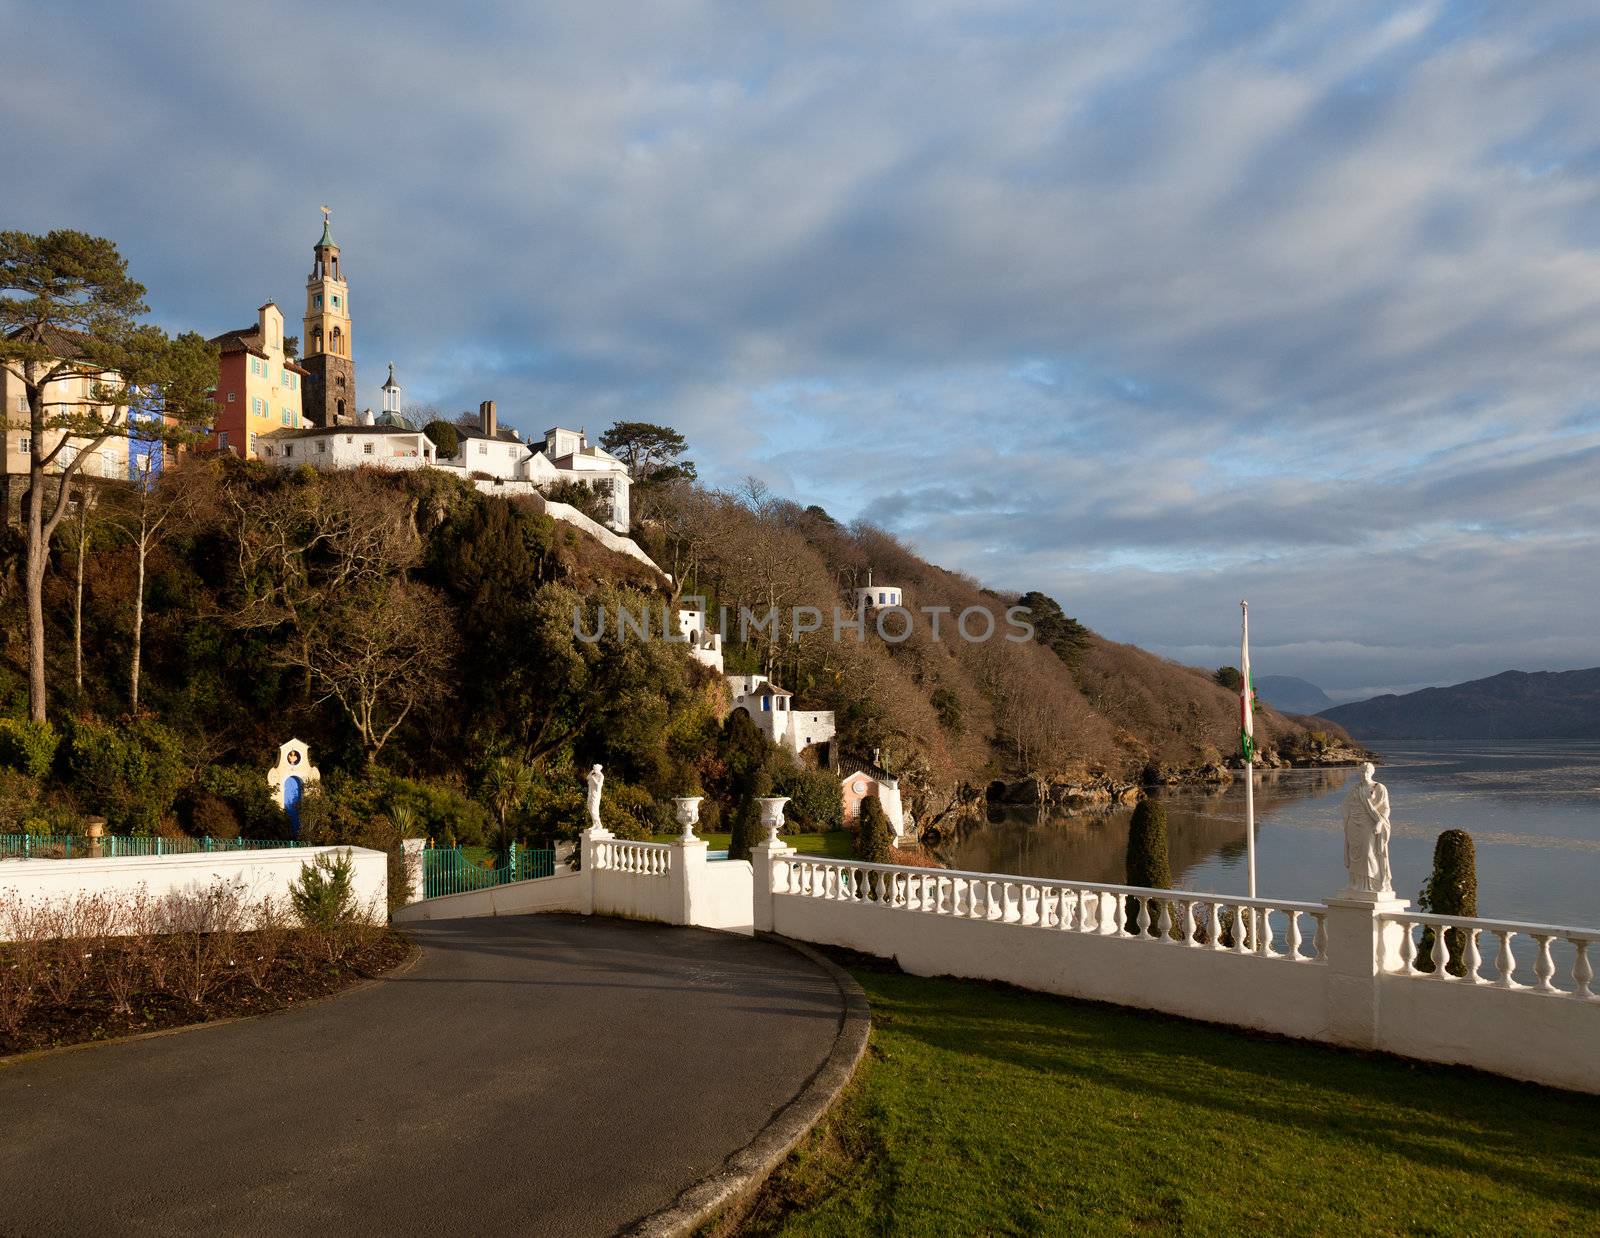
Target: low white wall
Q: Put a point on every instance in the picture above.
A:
(634, 896)
(721, 898)
(1542, 1037)
(1274, 995)
(257, 874)
(563, 892)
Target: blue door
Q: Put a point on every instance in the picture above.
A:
(291, 802)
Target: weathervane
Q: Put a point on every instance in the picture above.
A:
(326, 211)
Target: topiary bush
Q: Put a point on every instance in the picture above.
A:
(747, 832)
(28, 746)
(1147, 861)
(446, 439)
(1451, 890)
(875, 836)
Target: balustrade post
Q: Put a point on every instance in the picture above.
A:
(411, 852)
(765, 856)
(1361, 947)
(591, 842)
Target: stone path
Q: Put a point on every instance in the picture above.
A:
(545, 1075)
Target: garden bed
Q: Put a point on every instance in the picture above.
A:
(74, 973)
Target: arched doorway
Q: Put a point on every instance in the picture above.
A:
(291, 802)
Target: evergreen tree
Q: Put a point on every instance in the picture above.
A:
(875, 837)
(1451, 890)
(1147, 863)
(747, 831)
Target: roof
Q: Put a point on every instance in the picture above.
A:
(858, 764)
(389, 382)
(770, 689)
(503, 434)
(318, 431)
(63, 342)
(327, 235)
(247, 339)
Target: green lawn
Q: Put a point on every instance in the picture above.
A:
(987, 1110)
(835, 845)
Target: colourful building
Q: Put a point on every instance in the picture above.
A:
(330, 398)
(259, 386)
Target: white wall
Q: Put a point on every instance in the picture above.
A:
(563, 892)
(259, 874)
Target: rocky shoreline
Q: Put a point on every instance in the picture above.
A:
(1104, 789)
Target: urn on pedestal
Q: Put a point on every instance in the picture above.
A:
(772, 816)
(688, 814)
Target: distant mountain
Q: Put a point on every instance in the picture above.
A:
(1511, 705)
(1289, 695)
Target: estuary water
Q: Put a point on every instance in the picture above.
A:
(1532, 809)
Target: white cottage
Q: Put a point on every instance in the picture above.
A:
(771, 709)
(876, 597)
(705, 647)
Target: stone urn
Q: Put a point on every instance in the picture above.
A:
(772, 816)
(688, 814)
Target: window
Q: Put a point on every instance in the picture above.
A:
(231, 396)
(483, 449)
(288, 449)
(253, 438)
(25, 443)
(22, 404)
(316, 301)
(286, 378)
(288, 418)
(336, 300)
(366, 449)
(766, 704)
(322, 446)
(882, 598)
(222, 440)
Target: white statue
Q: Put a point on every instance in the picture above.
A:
(596, 779)
(1366, 835)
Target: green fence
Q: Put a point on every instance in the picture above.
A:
(112, 846)
(447, 870)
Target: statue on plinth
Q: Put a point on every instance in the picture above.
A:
(1366, 836)
(596, 779)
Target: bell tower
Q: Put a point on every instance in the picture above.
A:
(330, 388)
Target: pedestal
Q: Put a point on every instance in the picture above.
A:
(1361, 948)
(762, 858)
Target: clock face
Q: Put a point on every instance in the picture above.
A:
(861, 788)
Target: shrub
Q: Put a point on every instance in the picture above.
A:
(325, 892)
(210, 817)
(28, 746)
(445, 438)
(1451, 890)
(1147, 862)
(747, 832)
(815, 804)
(875, 837)
(129, 775)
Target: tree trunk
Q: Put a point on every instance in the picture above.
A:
(33, 583)
(77, 601)
(138, 625)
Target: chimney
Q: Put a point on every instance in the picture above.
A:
(869, 578)
(875, 760)
(486, 421)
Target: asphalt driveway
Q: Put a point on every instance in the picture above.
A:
(545, 1075)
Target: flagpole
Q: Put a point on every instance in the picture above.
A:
(1247, 710)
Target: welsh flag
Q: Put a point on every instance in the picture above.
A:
(1247, 727)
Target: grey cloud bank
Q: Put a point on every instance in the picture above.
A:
(1149, 307)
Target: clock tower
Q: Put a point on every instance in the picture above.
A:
(330, 385)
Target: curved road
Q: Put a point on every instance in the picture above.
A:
(544, 1075)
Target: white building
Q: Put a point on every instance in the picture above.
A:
(487, 453)
(330, 448)
(876, 597)
(705, 647)
(771, 708)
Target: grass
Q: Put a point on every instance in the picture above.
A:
(982, 1109)
(834, 845)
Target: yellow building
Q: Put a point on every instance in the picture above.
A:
(330, 398)
(67, 396)
(259, 387)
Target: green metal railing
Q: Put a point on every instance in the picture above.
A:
(113, 846)
(446, 870)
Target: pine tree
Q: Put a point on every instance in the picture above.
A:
(747, 832)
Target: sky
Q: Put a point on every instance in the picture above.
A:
(1150, 306)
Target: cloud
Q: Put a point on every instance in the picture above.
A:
(1145, 307)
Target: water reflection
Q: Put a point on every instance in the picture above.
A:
(1534, 811)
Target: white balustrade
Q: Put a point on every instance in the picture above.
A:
(1261, 928)
(1455, 950)
(642, 859)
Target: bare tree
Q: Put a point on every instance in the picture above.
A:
(380, 653)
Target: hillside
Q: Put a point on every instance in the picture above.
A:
(432, 645)
(1291, 695)
(1542, 705)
